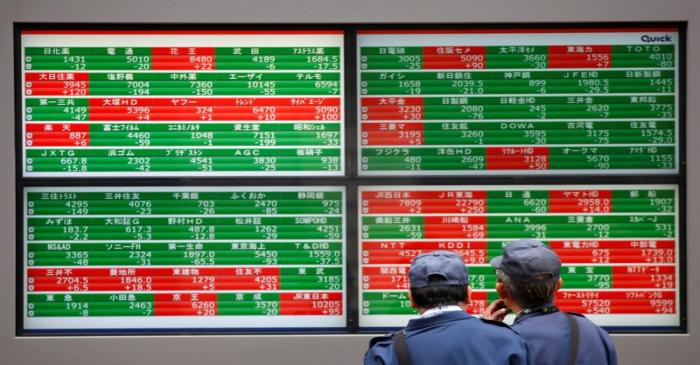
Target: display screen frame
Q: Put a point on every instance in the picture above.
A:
(350, 179)
(497, 186)
(404, 40)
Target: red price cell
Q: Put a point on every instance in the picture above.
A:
(580, 201)
(643, 276)
(57, 135)
(424, 202)
(313, 303)
(185, 304)
(454, 57)
(478, 302)
(628, 252)
(385, 277)
(394, 108)
(183, 58)
(56, 84)
(517, 158)
(392, 134)
(586, 56)
(468, 227)
(617, 302)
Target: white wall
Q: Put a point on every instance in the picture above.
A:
(309, 350)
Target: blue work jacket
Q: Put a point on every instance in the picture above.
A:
(548, 337)
(452, 338)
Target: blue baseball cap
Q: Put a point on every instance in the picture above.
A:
(447, 264)
(527, 260)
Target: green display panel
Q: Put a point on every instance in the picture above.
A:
(619, 245)
(494, 102)
(247, 103)
(185, 257)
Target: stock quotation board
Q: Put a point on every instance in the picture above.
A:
(228, 103)
(496, 102)
(184, 258)
(619, 246)
(164, 108)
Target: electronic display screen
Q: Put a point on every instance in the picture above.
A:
(232, 170)
(619, 246)
(179, 103)
(157, 258)
(498, 102)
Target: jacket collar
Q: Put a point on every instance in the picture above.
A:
(418, 323)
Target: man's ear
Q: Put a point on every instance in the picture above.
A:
(469, 295)
(502, 291)
(560, 283)
(413, 302)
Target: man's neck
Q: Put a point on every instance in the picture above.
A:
(462, 305)
(515, 307)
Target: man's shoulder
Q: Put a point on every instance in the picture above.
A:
(380, 350)
(384, 339)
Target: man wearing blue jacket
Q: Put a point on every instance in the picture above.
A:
(527, 279)
(445, 334)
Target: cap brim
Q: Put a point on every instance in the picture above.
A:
(496, 262)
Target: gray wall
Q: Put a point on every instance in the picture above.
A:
(309, 350)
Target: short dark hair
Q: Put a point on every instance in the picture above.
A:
(530, 295)
(438, 295)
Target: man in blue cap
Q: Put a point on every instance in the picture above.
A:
(527, 279)
(445, 334)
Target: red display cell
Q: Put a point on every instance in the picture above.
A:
(56, 76)
(183, 51)
(385, 282)
(580, 201)
(57, 139)
(57, 135)
(392, 134)
(469, 227)
(183, 58)
(613, 255)
(185, 304)
(424, 206)
(579, 49)
(602, 294)
(659, 277)
(186, 297)
(66, 88)
(311, 303)
(392, 112)
(461, 62)
(56, 127)
(580, 57)
(478, 302)
(517, 158)
(454, 57)
(454, 50)
(424, 194)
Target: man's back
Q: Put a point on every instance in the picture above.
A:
(453, 338)
(548, 337)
